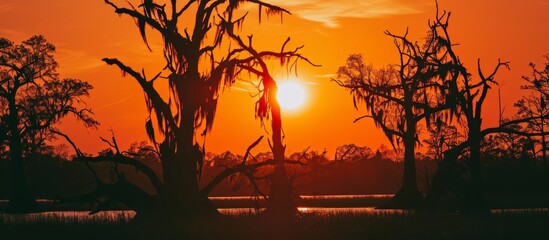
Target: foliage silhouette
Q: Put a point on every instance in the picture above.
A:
(196, 70)
(531, 106)
(33, 99)
(281, 198)
(466, 97)
(399, 97)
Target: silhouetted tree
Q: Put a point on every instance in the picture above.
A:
(441, 138)
(280, 203)
(143, 152)
(352, 153)
(201, 57)
(470, 96)
(34, 99)
(511, 142)
(399, 96)
(535, 104)
(466, 94)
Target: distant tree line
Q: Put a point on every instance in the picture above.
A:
(53, 173)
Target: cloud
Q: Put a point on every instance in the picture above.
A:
(327, 75)
(74, 61)
(119, 101)
(245, 86)
(329, 12)
(239, 89)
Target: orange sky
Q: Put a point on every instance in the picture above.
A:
(86, 31)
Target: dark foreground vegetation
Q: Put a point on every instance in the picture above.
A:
(310, 225)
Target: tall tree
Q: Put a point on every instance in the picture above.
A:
(197, 69)
(280, 203)
(535, 104)
(35, 98)
(399, 97)
(470, 96)
(466, 95)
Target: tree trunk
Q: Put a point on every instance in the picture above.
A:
(180, 203)
(184, 178)
(281, 204)
(408, 196)
(475, 200)
(543, 144)
(21, 201)
(446, 179)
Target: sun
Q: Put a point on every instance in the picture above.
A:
(290, 95)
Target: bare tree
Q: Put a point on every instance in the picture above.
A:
(467, 96)
(197, 69)
(281, 204)
(35, 98)
(399, 97)
(470, 96)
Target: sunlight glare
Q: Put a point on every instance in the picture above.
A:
(290, 95)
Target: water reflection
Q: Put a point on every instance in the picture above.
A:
(321, 211)
(309, 197)
(353, 210)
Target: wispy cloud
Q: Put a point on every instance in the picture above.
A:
(327, 75)
(245, 86)
(114, 103)
(329, 12)
(72, 61)
(238, 89)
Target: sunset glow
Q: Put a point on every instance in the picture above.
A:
(290, 95)
(274, 119)
(329, 30)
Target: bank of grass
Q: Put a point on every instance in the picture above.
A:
(309, 225)
(336, 201)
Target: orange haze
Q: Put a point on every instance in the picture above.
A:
(86, 31)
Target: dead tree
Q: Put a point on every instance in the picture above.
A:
(399, 97)
(197, 69)
(281, 202)
(468, 96)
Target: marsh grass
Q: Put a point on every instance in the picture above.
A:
(411, 225)
(369, 200)
(68, 218)
(311, 223)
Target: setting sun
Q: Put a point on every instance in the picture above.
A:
(274, 119)
(290, 95)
